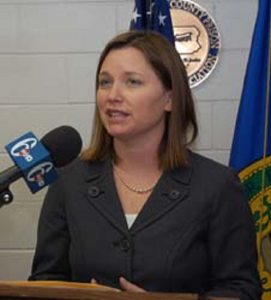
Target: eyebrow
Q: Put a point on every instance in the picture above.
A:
(104, 73)
(126, 73)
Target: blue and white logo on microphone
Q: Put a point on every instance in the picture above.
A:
(38, 175)
(35, 162)
(23, 148)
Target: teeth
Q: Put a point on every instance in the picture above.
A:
(116, 114)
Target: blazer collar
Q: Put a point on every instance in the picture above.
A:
(171, 189)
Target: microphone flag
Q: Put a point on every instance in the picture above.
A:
(35, 162)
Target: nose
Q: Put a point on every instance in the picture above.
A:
(115, 92)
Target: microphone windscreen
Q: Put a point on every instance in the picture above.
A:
(64, 145)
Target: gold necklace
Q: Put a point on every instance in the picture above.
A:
(132, 188)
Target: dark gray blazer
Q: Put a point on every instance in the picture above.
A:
(195, 233)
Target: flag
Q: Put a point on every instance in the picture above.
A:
(153, 15)
(251, 147)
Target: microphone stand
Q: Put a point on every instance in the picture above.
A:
(6, 178)
(6, 197)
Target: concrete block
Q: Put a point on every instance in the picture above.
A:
(33, 79)
(18, 225)
(66, 27)
(204, 113)
(81, 77)
(15, 264)
(224, 115)
(236, 22)
(226, 81)
(8, 28)
(124, 15)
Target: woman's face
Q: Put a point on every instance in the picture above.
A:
(131, 99)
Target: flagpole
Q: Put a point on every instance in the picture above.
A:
(265, 133)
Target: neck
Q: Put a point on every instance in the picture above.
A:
(137, 168)
(136, 157)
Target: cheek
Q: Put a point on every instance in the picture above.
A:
(100, 100)
(156, 103)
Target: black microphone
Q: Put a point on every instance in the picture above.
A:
(63, 144)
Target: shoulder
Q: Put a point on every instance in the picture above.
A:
(210, 176)
(202, 174)
(216, 179)
(195, 158)
(202, 171)
(210, 168)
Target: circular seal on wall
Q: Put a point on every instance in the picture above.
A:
(197, 39)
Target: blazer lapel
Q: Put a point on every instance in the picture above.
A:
(102, 195)
(171, 190)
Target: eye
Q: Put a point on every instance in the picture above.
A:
(134, 82)
(104, 82)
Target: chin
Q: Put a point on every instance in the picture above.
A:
(119, 132)
(121, 135)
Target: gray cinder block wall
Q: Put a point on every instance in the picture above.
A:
(48, 55)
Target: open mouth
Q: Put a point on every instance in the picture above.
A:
(116, 113)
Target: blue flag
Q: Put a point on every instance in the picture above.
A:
(153, 15)
(251, 148)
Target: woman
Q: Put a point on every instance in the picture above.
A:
(139, 211)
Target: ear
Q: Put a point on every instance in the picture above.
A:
(168, 105)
